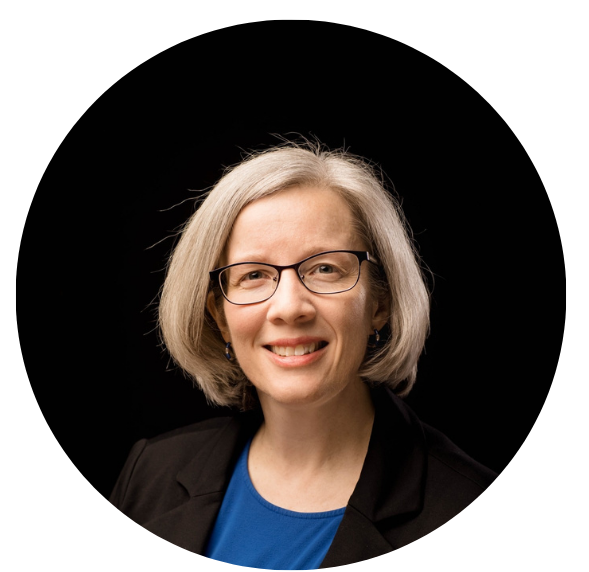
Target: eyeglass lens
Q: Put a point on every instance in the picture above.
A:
(327, 273)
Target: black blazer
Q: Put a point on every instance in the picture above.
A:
(414, 479)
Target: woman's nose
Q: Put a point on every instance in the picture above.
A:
(291, 301)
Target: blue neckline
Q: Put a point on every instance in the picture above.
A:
(291, 513)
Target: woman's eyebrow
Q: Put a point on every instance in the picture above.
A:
(265, 256)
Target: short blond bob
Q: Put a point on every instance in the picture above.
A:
(188, 330)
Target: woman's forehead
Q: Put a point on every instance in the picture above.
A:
(300, 221)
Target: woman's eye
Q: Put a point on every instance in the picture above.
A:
(327, 271)
(253, 276)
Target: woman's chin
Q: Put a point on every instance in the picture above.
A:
(301, 392)
(293, 395)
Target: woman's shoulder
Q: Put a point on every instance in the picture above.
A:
(446, 462)
(421, 477)
(176, 447)
(189, 433)
(161, 471)
(443, 450)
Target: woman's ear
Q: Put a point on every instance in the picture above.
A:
(217, 315)
(381, 312)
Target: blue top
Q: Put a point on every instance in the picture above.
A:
(250, 531)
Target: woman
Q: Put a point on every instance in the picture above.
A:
(295, 295)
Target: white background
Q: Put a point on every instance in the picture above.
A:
(527, 59)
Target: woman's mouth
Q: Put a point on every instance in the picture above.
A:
(298, 350)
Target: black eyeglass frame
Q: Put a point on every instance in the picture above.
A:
(360, 254)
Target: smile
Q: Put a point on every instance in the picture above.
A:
(299, 350)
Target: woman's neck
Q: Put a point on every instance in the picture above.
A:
(310, 457)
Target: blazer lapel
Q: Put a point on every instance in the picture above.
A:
(190, 524)
(205, 478)
(391, 486)
(357, 539)
(389, 491)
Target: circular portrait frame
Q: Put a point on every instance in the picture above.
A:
(130, 172)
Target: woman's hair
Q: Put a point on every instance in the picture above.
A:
(189, 331)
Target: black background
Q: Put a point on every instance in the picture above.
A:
(88, 281)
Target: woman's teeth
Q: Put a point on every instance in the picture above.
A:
(299, 350)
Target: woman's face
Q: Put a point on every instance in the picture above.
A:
(282, 229)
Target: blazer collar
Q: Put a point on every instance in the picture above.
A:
(205, 478)
(392, 481)
(211, 469)
(390, 487)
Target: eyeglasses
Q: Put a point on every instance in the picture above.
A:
(329, 272)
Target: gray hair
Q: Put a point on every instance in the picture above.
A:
(188, 330)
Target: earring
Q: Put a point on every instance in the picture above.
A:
(228, 351)
(374, 339)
